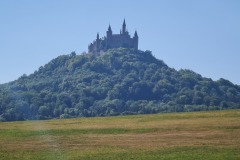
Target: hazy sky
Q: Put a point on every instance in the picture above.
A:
(201, 35)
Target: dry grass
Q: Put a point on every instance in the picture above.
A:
(200, 135)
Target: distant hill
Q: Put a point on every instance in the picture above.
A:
(117, 82)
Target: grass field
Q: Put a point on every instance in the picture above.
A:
(211, 135)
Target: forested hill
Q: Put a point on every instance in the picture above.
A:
(118, 82)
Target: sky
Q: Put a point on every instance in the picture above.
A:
(200, 35)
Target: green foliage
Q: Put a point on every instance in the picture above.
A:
(118, 82)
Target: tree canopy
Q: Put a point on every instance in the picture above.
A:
(117, 82)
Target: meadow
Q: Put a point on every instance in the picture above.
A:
(198, 135)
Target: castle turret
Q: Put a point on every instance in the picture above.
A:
(124, 27)
(97, 42)
(135, 35)
(135, 40)
(109, 32)
(97, 36)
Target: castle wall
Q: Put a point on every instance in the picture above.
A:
(117, 41)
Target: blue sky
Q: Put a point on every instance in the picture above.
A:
(202, 35)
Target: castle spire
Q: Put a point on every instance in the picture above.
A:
(124, 27)
(109, 28)
(97, 36)
(135, 34)
(109, 32)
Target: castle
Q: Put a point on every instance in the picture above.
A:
(114, 41)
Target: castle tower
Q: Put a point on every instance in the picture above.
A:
(124, 27)
(135, 35)
(135, 40)
(97, 36)
(109, 32)
(97, 42)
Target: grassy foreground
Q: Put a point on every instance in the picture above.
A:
(201, 135)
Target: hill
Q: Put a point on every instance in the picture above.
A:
(117, 82)
(182, 136)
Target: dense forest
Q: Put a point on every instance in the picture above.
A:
(117, 82)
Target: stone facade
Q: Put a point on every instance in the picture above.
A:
(114, 41)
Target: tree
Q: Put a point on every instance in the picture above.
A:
(44, 111)
(117, 82)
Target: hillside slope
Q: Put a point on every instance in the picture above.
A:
(119, 81)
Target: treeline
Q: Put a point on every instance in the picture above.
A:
(118, 82)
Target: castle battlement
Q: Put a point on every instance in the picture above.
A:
(109, 41)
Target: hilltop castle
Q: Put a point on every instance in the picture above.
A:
(114, 41)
